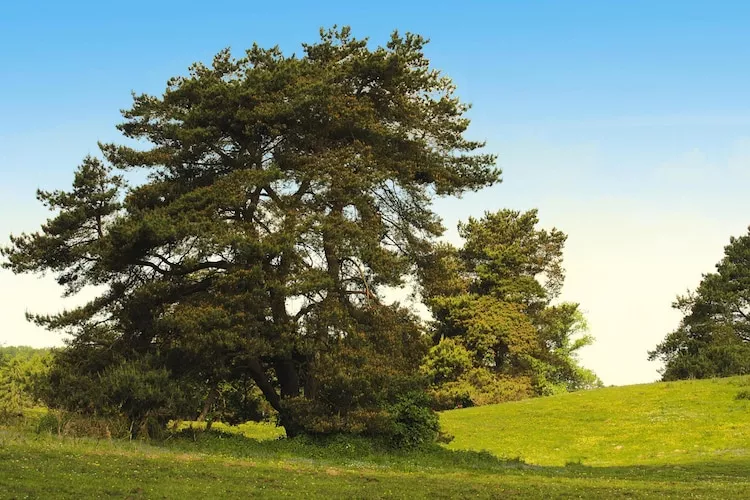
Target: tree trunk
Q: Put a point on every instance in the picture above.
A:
(311, 383)
(207, 404)
(290, 424)
(286, 373)
(288, 378)
(261, 379)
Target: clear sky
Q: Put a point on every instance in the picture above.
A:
(626, 123)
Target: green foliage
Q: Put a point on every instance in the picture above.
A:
(713, 338)
(458, 383)
(414, 424)
(562, 328)
(446, 361)
(481, 386)
(93, 393)
(49, 423)
(282, 194)
(497, 334)
(22, 370)
(359, 382)
(77, 425)
(145, 395)
(72, 383)
(511, 259)
(492, 299)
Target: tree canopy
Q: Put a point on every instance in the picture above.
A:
(283, 194)
(713, 338)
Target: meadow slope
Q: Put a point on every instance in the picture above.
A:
(692, 421)
(676, 440)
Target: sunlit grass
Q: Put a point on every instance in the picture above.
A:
(678, 440)
(662, 423)
(262, 431)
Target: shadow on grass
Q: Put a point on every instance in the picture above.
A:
(736, 469)
(336, 450)
(353, 452)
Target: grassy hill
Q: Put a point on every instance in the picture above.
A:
(663, 423)
(677, 440)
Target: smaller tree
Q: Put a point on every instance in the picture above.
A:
(492, 303)
(713, 338)
(563, 331)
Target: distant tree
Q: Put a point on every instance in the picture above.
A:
(498, 334)
(713, 339)
(283, 194)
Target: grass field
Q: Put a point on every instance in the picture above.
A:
(679, 440)
(684, 422)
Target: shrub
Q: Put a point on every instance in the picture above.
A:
(138, 391)
(71, 424)
(409, 422)
(451, 395)
(144, 395)
(413, 423)
(358, 384)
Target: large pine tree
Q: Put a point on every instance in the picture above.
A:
(283, 194)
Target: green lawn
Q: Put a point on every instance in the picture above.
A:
(679, 440)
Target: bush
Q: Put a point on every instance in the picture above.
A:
(50, 423)
(744, 394)
(146, 396)
(413, 423)
(451, 395)
(407, 423)
(137, 391)
(71, 424)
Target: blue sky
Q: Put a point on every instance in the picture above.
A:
(626, 123)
